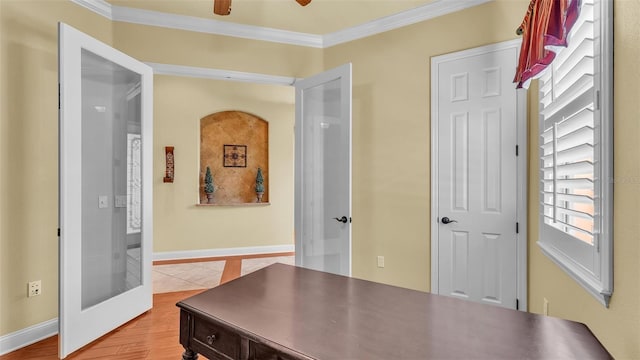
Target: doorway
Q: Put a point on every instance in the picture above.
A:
(323, 171)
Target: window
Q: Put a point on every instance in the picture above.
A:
(576, 160)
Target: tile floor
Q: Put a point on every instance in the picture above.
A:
(204, 275)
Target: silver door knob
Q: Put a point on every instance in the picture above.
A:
(446, 220)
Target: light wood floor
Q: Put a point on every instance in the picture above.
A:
(152, 335)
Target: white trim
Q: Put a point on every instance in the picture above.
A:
(32, 334)
(343, 74)
(211, 26)
(607, 112)
(219, 74)
(522, 194)
(27, 336)
(405, 18)
(521, 216)
(205, 253)
(99, 7)
(598, 282)
(576, 272)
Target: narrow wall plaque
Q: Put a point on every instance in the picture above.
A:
(169, 174)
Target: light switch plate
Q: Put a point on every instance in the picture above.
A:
(103, 202)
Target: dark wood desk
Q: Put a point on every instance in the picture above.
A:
(286, 312)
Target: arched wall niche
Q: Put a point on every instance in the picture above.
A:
(234, 144)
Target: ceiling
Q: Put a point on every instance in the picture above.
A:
(319, 17)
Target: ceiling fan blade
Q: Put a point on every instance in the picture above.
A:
(222, 7)
(303, 2)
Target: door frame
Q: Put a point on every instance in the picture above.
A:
(343, 72)
(522, 133)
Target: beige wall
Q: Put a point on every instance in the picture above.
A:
(391, 117)
(28, 153)
(29, 135)
(170, 46)
(179, 104)
(391, 75)
(618, 327)
(391, 135)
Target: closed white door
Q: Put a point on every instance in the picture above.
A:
(105, 189)
(476, 176)
(323, 171)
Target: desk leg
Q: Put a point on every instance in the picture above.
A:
(189, 355)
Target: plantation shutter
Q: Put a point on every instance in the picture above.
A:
(576, 152)
(568, 128)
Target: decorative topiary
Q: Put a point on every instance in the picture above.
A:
(208, 182)
(259, 181)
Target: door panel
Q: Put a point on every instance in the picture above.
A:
(477, 178)
(323, 171)
(105, 189)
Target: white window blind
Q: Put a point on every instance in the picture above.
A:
(567, 136)
(574, 154)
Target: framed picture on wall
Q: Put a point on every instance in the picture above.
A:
(234, 156)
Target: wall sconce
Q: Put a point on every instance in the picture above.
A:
(168, 177)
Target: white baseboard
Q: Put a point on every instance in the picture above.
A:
(206, 253)
(28, 336)
(35, 333)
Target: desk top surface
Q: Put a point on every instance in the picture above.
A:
(326, 316)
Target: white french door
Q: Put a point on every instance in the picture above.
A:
(323, 171)
(105, 194)
(478, 177)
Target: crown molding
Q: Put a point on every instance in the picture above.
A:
(408, 17)
(218, 74)
(211, 26)
(99, 7)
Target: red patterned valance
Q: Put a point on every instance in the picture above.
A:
(545, 27)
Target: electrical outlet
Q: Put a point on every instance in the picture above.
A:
(545, 306)
(380, 261)
(35, 288)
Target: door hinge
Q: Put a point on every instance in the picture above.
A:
(517, 228)
(517, 150)
(58, 96)
(58, 232)
(597, 99)
(517, 304)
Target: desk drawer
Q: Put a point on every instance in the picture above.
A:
(259, 351)
(217, 338)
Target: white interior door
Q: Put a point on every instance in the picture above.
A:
(476, 176)
(105, 189)
(323, 171)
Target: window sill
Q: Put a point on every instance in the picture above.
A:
(579, 274)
